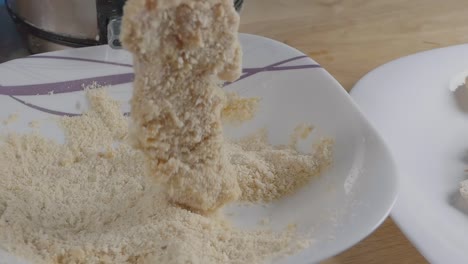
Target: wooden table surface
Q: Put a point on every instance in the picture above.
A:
(349, 39)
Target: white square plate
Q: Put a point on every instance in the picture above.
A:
(341, 207)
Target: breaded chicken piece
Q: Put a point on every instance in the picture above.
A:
(183, 50)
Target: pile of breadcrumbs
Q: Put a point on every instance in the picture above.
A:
(88, 200)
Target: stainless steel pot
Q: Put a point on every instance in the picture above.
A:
(57, 24)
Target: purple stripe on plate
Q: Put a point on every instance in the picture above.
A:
(245, 70)
(80, 84)
(64, 87)
(295, 67)
(249, 70)
(274, 67)
(49, 111)
(45, 110)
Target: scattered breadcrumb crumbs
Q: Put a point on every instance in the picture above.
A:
(269, 172)
(89, 200)
(239, 109)
(265, 221)
(10, 119)
(302, 131)
(34, 124)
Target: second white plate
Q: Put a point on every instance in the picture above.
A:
(425, 123)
